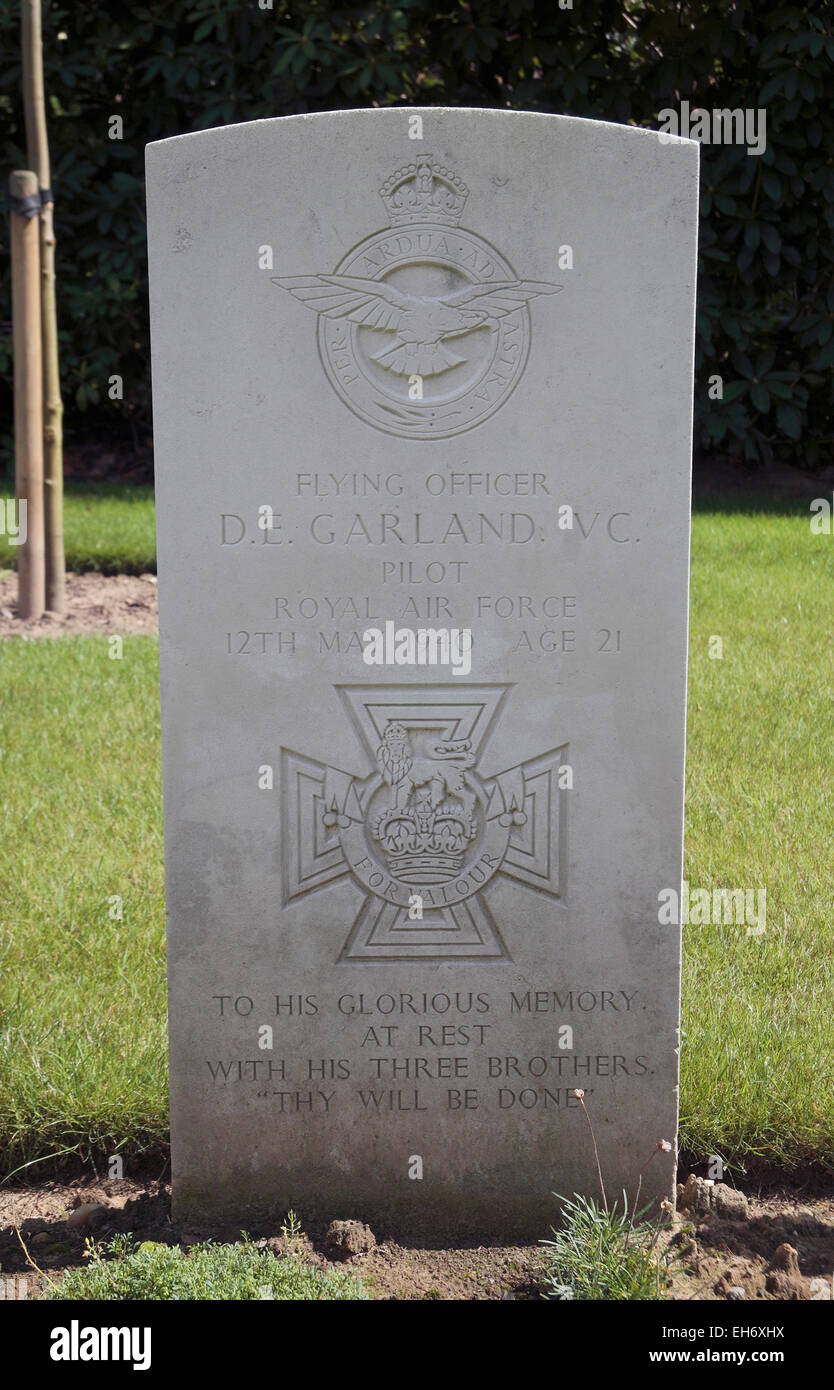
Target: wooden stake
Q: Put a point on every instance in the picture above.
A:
(28, 394)
(37, 145)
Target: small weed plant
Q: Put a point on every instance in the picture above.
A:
(607, 1253)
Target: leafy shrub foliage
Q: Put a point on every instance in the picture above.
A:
(121, 1270)
(766, 250)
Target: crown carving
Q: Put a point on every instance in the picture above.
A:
(424, 843)
(424, 191)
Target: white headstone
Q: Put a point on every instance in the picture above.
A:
(422, 376)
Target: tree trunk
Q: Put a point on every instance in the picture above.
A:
(38, 155)
(28, 392)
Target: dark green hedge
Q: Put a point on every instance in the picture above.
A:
(767, 251)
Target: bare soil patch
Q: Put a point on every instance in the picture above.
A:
(776, 1244)
(119, 603)
(56, 1219)
(722, 1250)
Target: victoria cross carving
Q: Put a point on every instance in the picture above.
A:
(425, 831)
(424, 329)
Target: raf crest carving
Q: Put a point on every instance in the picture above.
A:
(424, 329)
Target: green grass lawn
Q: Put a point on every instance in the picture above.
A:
(82, 996)
(108, 527)
(757, 1059)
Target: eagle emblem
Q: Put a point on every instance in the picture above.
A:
(423, 329)
(420, 325)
